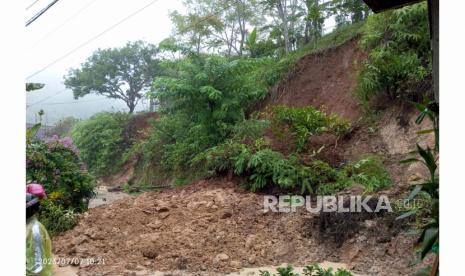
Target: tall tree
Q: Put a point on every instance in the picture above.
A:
(349, 11)
(120, 73)
(217, 24)
(287, 13)
(314, 19)
(194, 28)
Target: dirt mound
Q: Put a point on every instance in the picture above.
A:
(214, 227)
(211, 227)
(325, 80)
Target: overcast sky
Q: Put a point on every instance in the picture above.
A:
(70, 23)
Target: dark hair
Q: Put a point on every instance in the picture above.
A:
(30, 211)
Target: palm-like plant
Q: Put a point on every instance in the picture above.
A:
(429, 238)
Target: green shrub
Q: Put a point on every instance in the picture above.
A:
(250, 130)
(309, 270)
(370, 173)
(56, 165)
(202, 99)
(307, 121)
(399, 54)
(56, 218)
(316, 270)
(265, 167)
(100, 140)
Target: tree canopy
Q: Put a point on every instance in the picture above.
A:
(120, 73)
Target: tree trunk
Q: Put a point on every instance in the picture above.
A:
(131, 108)
(283, 15)
(307, 32)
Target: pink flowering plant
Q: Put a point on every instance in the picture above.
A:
(55, 163)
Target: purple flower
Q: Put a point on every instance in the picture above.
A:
(66, 142)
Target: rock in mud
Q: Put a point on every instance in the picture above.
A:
(221, 257)
(155, 224)
(162, 208)
(249, 241)
(149, 252)
(164, 215)
(226, 214)
(181, 263)
(235, 264)
(252, 259)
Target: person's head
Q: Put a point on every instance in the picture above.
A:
(34, 192)
(32, 205)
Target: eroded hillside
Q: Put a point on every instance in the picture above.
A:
(214, 226)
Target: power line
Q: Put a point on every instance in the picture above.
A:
(64, 23)
(35, 17)
(92, 38)
(46, 98)
(76, 102)
(33, 3)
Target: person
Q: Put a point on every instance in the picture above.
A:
(38, 243)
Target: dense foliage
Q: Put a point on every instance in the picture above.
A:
(278, 27)
(265, 167)
(56, 165)
(307, 121)
(429, 238)
(201, 101)
(399, 61)
(100, 140)
(56, 218)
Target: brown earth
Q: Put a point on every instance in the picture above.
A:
(325, 80)
(214, 227)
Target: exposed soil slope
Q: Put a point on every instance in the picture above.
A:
(323, 79)
(215, 227)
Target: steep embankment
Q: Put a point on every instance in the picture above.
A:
(325, 80)
(215, 227)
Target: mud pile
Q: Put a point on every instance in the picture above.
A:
(211, 227)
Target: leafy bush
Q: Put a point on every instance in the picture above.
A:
(56, 218)
(429, 238)
(100, 141)
(309, 270)
(399, 54)
(202, 99)
(307, 121)
(56, 165)
(264, 167)
(370, 173)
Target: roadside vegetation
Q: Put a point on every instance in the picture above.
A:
(207, 124)
(309, 270)
(56, 165)
(101, 142)
(399, 61)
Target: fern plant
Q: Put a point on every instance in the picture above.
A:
(399, 54)
(307, 121)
